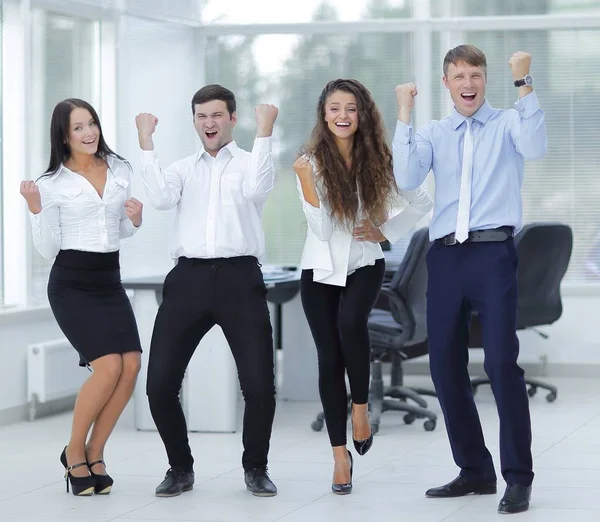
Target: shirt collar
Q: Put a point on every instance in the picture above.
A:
(482, 115)
(231, 147)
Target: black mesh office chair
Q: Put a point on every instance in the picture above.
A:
(398, 331)
(544, 253)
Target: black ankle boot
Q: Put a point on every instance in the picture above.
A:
(81, 486)
(104, 482)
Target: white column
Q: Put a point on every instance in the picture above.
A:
(15, 117)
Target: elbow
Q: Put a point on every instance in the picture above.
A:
(536, 152)
(406, 183)
(322, 233)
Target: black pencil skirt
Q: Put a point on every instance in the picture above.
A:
(90, 304)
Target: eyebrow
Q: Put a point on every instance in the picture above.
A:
(81, 123)
(217, 113)
(339, 103)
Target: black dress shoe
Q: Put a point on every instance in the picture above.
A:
(516, 499)
(258, 482)
(344, 489)
(175, 483)
(460, 487)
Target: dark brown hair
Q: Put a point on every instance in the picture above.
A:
(59, 134)
(468, 54)
(370, 175)
(214, 92)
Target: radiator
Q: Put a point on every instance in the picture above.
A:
(53, 372)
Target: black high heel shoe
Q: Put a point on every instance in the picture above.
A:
(344, 489)
(81, 486)
(362, 446)
(104, 483)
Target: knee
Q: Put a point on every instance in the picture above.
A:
(499, 367)
(109, 368)
(132, 363)
(353, 327)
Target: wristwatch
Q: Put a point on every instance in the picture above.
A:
(526, 80)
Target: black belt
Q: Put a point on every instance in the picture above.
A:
(477, 236)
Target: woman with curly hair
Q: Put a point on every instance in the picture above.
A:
(351, 203)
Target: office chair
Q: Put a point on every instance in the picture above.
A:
(544, 251)
(397, 328)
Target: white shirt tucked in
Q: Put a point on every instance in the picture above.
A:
(219, 200)
(75, 217)
(331, 250)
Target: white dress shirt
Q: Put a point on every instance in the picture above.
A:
(331, 250)
(75, 217)
(219, 200)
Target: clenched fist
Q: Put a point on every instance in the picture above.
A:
(520, 63)
(303, 168)
(405, 94)
(266, 114)
(133, 209)
(31, 193)
(146, 125)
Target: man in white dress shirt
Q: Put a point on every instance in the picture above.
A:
(218, 239)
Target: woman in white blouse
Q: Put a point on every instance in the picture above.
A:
(80, 209)
(351, 203)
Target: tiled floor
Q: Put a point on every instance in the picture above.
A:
(389, 481)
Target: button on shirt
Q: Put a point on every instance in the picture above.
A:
(75, 217)
(503, 140)
(219, 200)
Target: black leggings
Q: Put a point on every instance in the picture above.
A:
(338, 317)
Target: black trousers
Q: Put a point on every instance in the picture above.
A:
(338, 317)
(197, 294)
(481, 277)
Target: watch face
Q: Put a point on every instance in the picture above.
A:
(528, 80)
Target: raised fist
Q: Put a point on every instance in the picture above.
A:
(133, 209)
(303, 168)
(266, 114)
(146, 124)
(520, 63)
(31, 193)
(405, 94)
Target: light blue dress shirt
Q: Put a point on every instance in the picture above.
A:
(503, 140)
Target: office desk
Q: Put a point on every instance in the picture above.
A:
(211, 373)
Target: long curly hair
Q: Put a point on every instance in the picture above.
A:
(370, 175)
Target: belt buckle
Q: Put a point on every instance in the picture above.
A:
(450, 240)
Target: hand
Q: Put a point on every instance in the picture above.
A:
(266, 114)
(405, 94)
(31, 192)
(133, 209)
(303, 169)
(146, 125)
(368, 232)
(520, 63)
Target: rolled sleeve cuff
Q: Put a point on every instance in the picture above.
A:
(262, 144)
(148, 157)
(528, 105)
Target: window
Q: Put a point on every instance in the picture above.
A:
(293, 78)
(64, 65)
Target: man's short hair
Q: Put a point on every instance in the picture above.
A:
(468, 54)
(214, 92)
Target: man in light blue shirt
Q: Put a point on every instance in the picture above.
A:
(477, 155)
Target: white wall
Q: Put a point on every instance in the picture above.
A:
(17, 331)
(573, 349)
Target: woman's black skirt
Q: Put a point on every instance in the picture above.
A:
(90, 304)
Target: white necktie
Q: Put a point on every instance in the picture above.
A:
(466, 177)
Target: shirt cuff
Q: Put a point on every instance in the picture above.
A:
(528, 105)
(403, 133)
(148, 157)
(36, 219)
(262, 144)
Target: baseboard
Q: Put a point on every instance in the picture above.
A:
(531, 368)
(22, 413)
